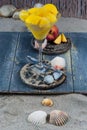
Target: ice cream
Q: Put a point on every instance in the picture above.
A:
(40, 20)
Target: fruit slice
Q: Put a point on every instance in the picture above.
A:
(63, 38)
(58, 40)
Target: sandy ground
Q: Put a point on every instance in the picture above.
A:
(15, 109)
(64, 24)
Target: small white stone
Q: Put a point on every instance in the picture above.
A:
(38, 5)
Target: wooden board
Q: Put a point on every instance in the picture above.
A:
(8, 42)
(14, 48)
(24, 49)
(79, 62)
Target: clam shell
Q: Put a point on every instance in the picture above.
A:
(48, 79)
(37, 117)
(58, 62)
(58, 117)
(47, 102)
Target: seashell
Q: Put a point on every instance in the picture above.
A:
(58, 117)
(58, 63)
(37, 117)
(47, 102)
(49, 79)
(38, 5)
(16, 15)
(7, 10)
(57, 75)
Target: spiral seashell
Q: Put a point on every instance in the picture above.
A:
(47, 102)
(37, 117)
(58, 117)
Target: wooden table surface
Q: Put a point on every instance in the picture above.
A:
(15, 46)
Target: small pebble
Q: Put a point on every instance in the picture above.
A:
(38, 5)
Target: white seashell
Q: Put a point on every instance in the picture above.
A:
(58, 117)
(48, 79)
(37, 117)
(47, 102)
(7, 10)
(16, 15)
(58, 63)
(38, 5)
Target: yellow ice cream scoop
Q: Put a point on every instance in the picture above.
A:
(51, 8)
(40, 20)
(23, 15)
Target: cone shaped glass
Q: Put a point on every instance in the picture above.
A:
(39, 21)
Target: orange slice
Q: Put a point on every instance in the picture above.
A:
(63, 38)
(58, 40)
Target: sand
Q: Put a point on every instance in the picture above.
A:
(14, 109)
(64, 24)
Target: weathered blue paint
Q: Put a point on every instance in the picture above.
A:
(79, 61)
(8, 42)
(24, 48)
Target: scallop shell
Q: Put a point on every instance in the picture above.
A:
(47, 102)
(37, 117)
(58, 117)
(48, 79)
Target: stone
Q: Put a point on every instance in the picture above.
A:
(38, 5)
(7, 10)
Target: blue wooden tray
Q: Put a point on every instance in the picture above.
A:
(14, 47)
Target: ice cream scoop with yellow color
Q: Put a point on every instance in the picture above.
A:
(40, 20)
